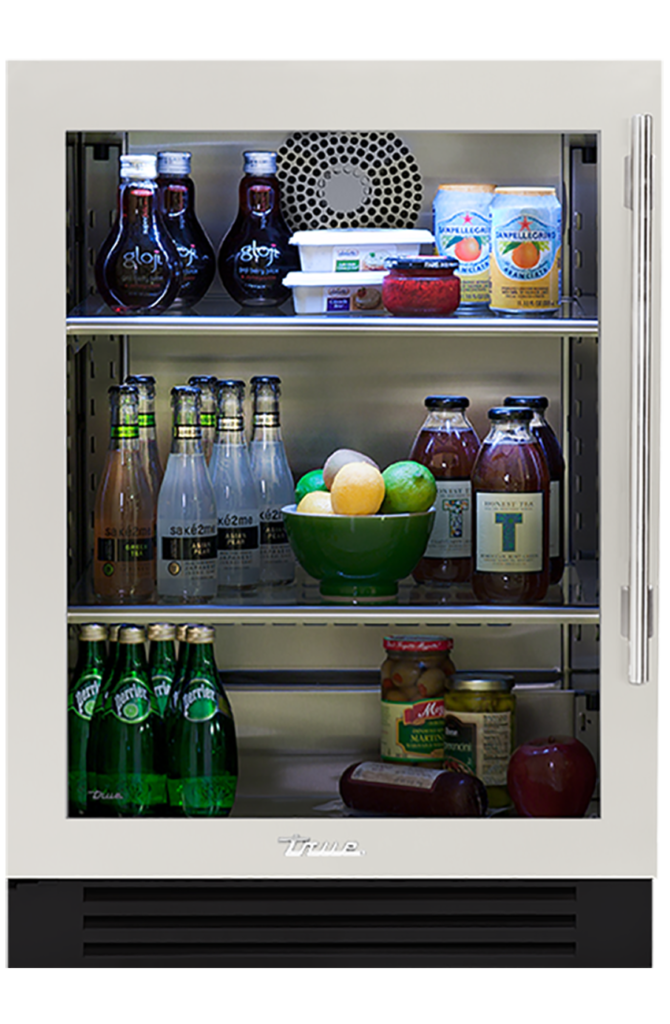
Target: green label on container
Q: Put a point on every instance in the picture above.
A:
(209, 794)
(200, 702)
(131, 703)
(82, 698)
(126, 432)
(413, 732)
(146, 419)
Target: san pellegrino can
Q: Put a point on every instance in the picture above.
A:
(462, 229)
(162, 661)
(202, 749)
(525, 250)
(84, 689)
(130, 743)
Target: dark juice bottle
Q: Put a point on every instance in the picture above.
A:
(510, 491)
(255, 256)
(554, 456)
(138, 269)
(177, 191)
(448, 445)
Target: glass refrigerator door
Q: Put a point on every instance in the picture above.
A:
(301, 670)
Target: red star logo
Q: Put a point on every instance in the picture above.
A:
(467, 219)
(525, 224)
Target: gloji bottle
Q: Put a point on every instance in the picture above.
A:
(554, 456)
(146, 420)
(124, 556)
(138, 269)
(186, 522)
(84, 690)
(177, 191)
(255, 256)
(202, 749)
(447, 444)
(129, 758)
(510, 490)
(272, 473)
(237, 494)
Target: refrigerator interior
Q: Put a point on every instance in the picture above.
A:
(303, 677)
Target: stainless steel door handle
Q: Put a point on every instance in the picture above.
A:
(639, 591)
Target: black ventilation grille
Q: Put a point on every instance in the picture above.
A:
(338, 924)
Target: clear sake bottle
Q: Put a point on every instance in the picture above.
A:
(237, 498)
(208, 404)
(272, 473)
(186, 521)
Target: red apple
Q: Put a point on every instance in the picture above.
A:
(551, 778)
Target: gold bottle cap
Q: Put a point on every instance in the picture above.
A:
(181, 631)
(161, 631)
(113, 633)
(92, 631)
(132, 635)
(200, 635)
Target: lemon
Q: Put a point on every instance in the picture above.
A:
(410, 487)
(312, 481)
(317, 502)
(357, 490)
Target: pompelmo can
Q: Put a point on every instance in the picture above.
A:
(462, 229)
(525, 250)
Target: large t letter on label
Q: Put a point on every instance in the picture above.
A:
(509, 522)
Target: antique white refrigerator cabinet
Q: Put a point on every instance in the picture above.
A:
(267, 863)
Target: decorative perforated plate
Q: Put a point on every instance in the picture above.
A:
(348, 180)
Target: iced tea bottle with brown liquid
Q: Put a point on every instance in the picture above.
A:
(447, 444)
(510, 492)
(554, 456)
(124, 556)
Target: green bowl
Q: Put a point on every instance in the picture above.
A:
(358, 558)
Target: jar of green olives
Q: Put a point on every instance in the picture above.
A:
(414, 680)
(479, 722)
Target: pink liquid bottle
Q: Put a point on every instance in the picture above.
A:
(138, 269)
(198, 264)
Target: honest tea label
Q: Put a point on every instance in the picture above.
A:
(452, 531)
(509, 532)
(481, 741)
(554, 519)
(413, 732)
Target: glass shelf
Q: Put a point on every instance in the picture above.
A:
(218, 313)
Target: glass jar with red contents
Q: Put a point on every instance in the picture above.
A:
(421, 286)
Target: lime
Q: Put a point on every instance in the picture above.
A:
(312, 481)
(410, 487)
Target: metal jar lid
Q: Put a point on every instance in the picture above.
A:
(480, 682)
(445, 263)
(200, 634)
(261, 164)
(132, 635)
(91, 631)
(446, 402)
(177, 164)
(418, 644)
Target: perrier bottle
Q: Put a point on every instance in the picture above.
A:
(84, 690)
(162, 661)
(130, 752)
(202, 750)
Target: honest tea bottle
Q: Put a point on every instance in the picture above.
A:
(273, 477)
(255, 256)
(202, 749)
(83, 692)
(146, 419)
(510, 491)
(186, 522)
(138, 269)
(124, 555)
(129, 759)
(162, 661)
(554, 456)
(237, 495)
(448, 445)
(177, 191)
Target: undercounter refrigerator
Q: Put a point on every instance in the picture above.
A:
(333, 513)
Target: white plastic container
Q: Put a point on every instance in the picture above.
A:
(337, 292)
(352, 250)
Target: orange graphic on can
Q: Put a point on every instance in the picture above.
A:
(525, 250)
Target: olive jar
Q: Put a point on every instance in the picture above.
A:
(414, 680)
(479, 724)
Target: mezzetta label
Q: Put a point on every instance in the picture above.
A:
(413, 732)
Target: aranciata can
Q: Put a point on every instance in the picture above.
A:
(462, 229)
(525, 250)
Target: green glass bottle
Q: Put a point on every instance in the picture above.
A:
(107, 676)
(162, 662)
(130, 751)
(82, 696)
(202, 750)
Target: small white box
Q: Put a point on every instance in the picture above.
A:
(352, 250)
(337, 292)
